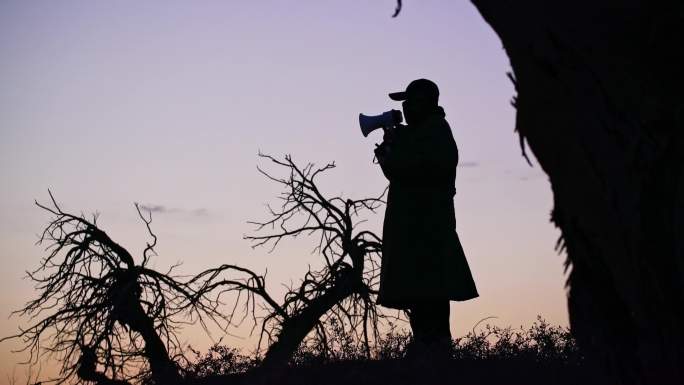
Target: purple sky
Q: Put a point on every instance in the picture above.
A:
(167, 103)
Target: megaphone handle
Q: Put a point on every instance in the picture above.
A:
(389, 134)
(375, 155)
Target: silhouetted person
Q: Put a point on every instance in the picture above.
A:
(423, 264)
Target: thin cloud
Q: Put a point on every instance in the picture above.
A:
(161, 209)
(531, 177)
(200, 212)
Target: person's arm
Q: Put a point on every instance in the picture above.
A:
(381, 156)
(389, 144)
(431, 155)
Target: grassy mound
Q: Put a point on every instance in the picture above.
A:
(541, 354)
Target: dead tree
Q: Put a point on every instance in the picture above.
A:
(112, 320)
(107, 318)
(345, 287)
(599, 101)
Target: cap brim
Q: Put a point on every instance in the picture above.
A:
(398, 95)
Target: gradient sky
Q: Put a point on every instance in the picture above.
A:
(167, 103)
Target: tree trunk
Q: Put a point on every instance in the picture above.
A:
(599, 103)
(296, 328)
(164, 370)
(130, 312)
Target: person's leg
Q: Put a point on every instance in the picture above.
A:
(417, 348)
(439, 321)
(430, 326)
(438, 333)
(417, 321)
(430, 319)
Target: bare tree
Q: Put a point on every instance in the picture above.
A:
(344, 288)
(99, 309)
(112, 320)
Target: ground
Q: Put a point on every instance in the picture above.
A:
(424, 372)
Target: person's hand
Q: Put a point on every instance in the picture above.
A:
(381, 152)
(390, 134)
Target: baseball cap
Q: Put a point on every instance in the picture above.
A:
(421, 88)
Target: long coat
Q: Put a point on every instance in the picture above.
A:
(422, 257)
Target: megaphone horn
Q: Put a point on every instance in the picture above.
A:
(367, 124)
(370, 123)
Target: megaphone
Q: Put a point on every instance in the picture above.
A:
(370, 123)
